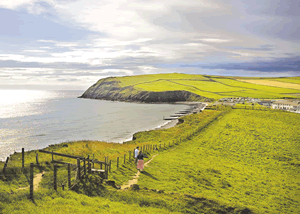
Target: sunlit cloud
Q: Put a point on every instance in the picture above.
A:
(85, 40)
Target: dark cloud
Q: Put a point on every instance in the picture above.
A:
(275, 65)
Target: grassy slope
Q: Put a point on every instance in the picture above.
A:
(244, 159)
(250, 158)
(213, 87)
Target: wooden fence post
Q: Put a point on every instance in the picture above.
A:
(52, 156)
(93, 160)
(5, 165)
(133, 154)
(117, 162)
(78, 169)
(23, 158)
(37, 159)
(31, 181)
(69, 175)
(55, 177)
(129, 155)
(124, 158)
(84, 167)
(110, 166)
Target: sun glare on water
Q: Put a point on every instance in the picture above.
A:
(18, 103)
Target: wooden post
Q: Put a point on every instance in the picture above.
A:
(106, 167)
(55, 177)
(124, 158)
(69, 175)
(78, 169)
(23, 158)
(89, 167)
(84, 168)
(31, 181)
(110, 166)
(37, 159)
(63, 187)
(100, 165)
(129, 155)
(133, 154)
(93, 160)
(5, 165)
(52, 156)
(117, 162)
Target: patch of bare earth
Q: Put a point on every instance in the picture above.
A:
(36, 181)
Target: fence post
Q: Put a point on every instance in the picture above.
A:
(37, 159)
(69, 175)
(78, 168)
(52, 156)
(117, 162)
(55, 177)
(63, 187)
(124, 158)
(93, 160)
(84, 167)
(5, 165)
(133, 154)
(110, 166)
(31, 181)
(23, 158)
(129, 155)
(106, 167)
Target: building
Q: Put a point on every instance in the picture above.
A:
(286, 105)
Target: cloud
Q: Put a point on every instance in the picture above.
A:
(92, 39)
(288, 64)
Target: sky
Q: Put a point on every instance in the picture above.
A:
(70, 44)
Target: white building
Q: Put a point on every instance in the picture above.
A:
(286, 105)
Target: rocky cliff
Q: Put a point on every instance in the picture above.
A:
(110, 89)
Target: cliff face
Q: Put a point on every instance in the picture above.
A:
(110, 89)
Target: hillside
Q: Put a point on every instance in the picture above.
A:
(226, 160)
(186, 87)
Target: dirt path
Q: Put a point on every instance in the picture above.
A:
(36, 181)
(134, 179)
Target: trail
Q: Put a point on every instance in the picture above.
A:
(36, 181)
(135, 178)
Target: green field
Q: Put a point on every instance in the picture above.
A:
(213, 87)
(228, 161)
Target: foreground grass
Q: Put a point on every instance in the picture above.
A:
(247, 158)
(234, 161)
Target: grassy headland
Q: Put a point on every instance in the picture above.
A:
(185, 87)
(234, 161)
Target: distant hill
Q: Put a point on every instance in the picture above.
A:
(174, 87)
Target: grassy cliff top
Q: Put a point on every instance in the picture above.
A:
(211, 87)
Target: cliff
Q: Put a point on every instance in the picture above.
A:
(111, 89)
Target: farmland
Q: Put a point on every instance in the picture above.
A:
(203, 87)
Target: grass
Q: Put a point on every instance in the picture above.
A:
(250, 158)
(211, 87)
(225, 161)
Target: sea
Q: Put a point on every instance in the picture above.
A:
(35, 119)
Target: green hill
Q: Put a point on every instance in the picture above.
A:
(186, 87)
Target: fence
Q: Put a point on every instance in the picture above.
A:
(72, 173)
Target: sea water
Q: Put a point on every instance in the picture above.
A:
(34, 119)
